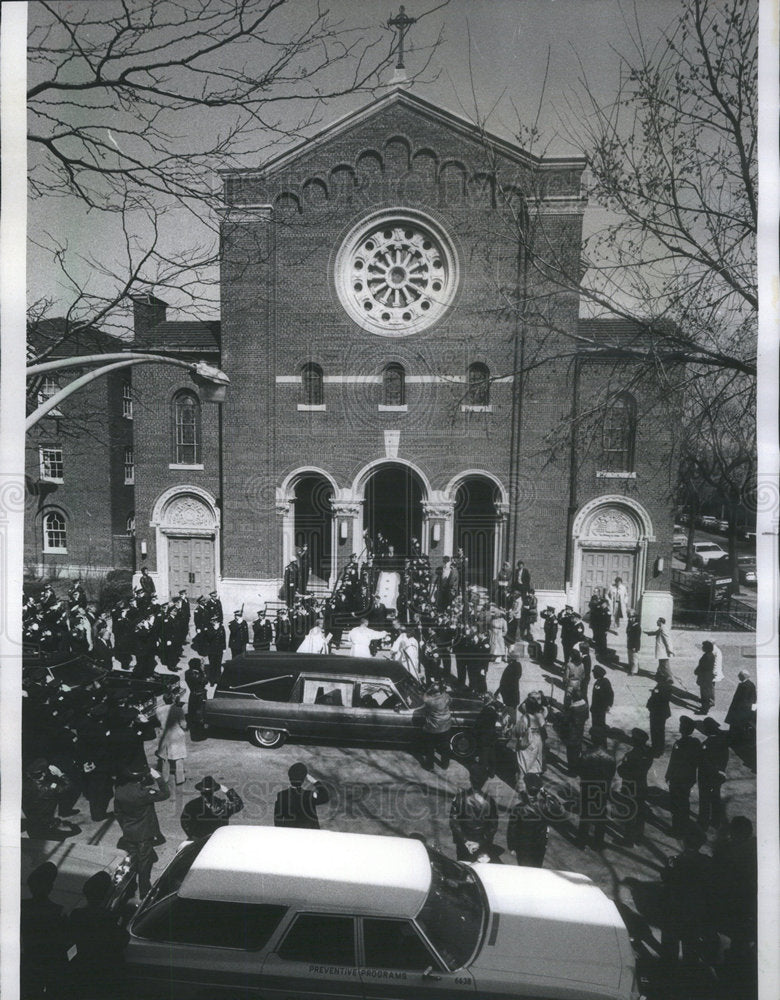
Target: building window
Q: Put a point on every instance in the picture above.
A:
(129, 467)
(55, 538)
(396, 273)
(51, 464)
(130, 524)
(478, 385)
(311, 382)
(186, 429)
(49, 386)
(127, 401)
(394, 385)
(618, 434)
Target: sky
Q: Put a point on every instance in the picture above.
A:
(490, 64)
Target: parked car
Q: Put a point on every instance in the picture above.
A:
(746, 565)
(76, 862)
(273, 696)
(260, 911)
(679, 537)
(706, 552)
(723, 527)
(708, 521)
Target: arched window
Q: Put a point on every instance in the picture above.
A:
(478, 385)
(618, 433)
(311, 384)
(394, 385)
(186, 429)
(55, 537)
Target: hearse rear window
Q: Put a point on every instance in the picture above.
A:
(210, 923)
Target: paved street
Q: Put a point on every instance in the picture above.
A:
(388, 792)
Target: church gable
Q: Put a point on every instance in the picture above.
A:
(401, 148)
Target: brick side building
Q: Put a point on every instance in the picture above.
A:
(373, 322)
(80, 465)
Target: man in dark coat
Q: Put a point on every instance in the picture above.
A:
(633, 641)
(712, 773)
(633, 770)
(283, 631)
(550, 651)
(681, 775)
(658, 707)
(214, 607)
(521, 578)
(296, 806)
(741, 715)
(572, 630)
(572, 730)
(509, 685)
(597, 769)
(100, 943)
(290, 582)
(262, 631)
(527, 827)
(201, 614)
(304, 564)
(146, 583)
(600, 620)
(474, 818)
(239, 634)
(44, 938)
(602, 698)
(195, 679)
(447, 584)
(705, 677)
(182, 616)
(211, 810)
(214, 648)
(686, 878)
(43, 786)
(134, 806)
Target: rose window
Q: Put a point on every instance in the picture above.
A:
(396, 274)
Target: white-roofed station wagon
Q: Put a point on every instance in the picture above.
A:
(274, 913)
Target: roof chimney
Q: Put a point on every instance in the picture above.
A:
(148, 312)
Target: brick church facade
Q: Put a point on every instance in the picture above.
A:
(375, 314)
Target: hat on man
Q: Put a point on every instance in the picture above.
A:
(297, 773)
(41, 879)
(97, 887)
(213, 593)
(209, 785)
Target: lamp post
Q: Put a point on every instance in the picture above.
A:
(211, 381)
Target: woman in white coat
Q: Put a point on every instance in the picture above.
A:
(172, 745)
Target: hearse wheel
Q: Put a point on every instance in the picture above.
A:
(268, 739)
(463, 745)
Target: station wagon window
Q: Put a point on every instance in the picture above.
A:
(453, 912)
(395, 944)
(211, 923)
(327, 691)
(317, 937)
(377, 694)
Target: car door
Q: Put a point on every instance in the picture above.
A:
(324, 706)
(315, 956)
(396, 963)
(381, 715)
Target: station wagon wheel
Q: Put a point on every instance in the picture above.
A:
(268, 739)
(463, 745)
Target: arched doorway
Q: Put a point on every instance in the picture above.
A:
(186, 527)
(394, 495)
(313, 524)
(611, 535)
(476, 518)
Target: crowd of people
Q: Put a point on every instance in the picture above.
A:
(89, 738)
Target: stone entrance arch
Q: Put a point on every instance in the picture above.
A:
(610, 536)
(186, 523)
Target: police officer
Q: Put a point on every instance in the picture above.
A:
(681, 774)
(239, 634)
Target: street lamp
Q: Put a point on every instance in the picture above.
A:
(211, 381)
